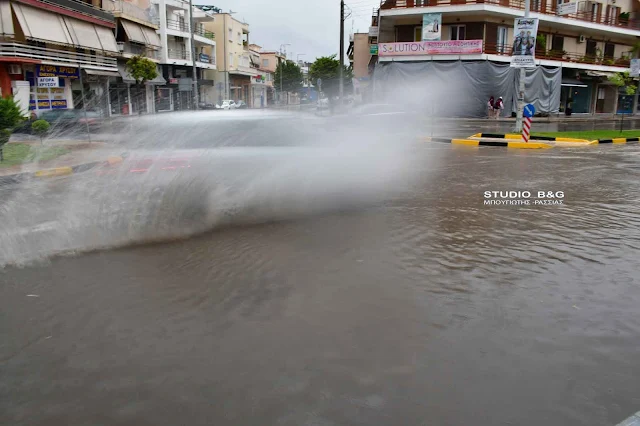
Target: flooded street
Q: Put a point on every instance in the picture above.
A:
(425, 307)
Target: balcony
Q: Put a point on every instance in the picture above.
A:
(179, 54)
(545, 7)
(131, 49)
(72, 7)
(562, 56)
(181, 26)
(123, 8)
(204, 33)
(73, 59)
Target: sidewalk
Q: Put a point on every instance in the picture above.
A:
(81, 152)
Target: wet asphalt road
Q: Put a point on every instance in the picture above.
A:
(425, 306)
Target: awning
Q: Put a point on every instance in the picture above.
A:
(127, 78)
(83, 34)
(102, 73)
(570, 82)
(49, 27)
(134, 32)
(6, 19)
(107, 39)
(38, 24)
(599, 73)
(153, 39)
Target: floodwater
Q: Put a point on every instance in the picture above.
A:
(420, 307)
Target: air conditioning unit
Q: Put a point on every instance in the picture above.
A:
(120, 46)
(581, 39)
(15, 69)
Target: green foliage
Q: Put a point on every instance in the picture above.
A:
(327, 68)
(5, 135)
(22, 153)
(141, 69)
(291, 77)
(40, 128)
(623, 80)
(541, 42)
(10, 113)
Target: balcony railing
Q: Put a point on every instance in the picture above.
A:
(172, 24)
(73, 59)
(126, 8)
(181, 54)
(554, 55)
(204, 33)
(136, 49)
(81, 7)
(546, 7)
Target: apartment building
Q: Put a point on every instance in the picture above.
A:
(235, 69)
(269, 61)
(578, 46)
(179, 51)
(57, 55)
(136, 34)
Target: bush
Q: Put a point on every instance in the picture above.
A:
(40, 128)
(10, 113)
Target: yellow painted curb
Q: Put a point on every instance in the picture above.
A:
(60, 171)
(477, 135)
(619, 140)
(529, 145)
(513, 136)
(114, 160)
(467, 142)
(571, 140)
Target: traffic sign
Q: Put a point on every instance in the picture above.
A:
(529, 110)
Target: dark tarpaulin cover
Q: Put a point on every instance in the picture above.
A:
(463, 88)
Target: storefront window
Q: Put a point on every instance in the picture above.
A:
(119, 98)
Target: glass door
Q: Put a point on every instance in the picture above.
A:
(502, 40)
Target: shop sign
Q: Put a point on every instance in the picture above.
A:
(173, 81)
(373, 49)
(185, 85)
(205, 58)
(59, 104)
(570, 8)
(454, 47)
(374, 31)
(48, 82)
(57, 71)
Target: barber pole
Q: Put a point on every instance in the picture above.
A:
(526, 129)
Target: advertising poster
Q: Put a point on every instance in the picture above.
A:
(524, 43)
(431, 28)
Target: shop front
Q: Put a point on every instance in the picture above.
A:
(240, 88)
(50, 86)
(127, 97)
(259, 92)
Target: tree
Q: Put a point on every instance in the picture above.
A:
(10, 117)
(40, 128)
(291, 77)
(622, 80)
(327, 68)
(141, 69)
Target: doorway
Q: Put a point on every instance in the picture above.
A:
(164, 99)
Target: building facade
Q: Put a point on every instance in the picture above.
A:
(575, 52)
(57, 55)
(360, 54)
(180, 52)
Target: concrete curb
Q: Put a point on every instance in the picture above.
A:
(505, 144)
(631, 421)
(59, 171)
(516, 137)
(616, 140)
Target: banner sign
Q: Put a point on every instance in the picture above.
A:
(635, 68)
(59, 104)
(48, 82)
(431, 26)
(568, 8)
(524, 43)
(57, 71)
(373, 49)
(454, 47)
(374, 31)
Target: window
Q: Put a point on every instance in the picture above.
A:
(239, 38)
(557, 43)
(230, 35)
(265, 63)
(609, 50)
(502, 43)
(457, 32)
(417, 34)
(231, 59)
(592, 46)
(612, 14)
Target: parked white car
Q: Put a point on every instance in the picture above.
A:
(228, 104)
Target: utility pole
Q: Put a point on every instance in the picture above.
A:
(283, 47)
(196, 101)
(342, 49)
(523, 76)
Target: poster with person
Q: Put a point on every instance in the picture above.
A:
(431, 26)
(525, 32)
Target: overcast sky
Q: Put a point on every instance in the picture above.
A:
(311, 27)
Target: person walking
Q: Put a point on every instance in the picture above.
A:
(499, 106)
(490, 106)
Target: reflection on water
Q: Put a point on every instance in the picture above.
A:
(430, 308)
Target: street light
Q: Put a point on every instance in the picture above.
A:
(282, 46)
